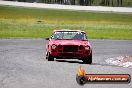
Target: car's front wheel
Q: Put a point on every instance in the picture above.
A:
(88, 60)
(49, 57)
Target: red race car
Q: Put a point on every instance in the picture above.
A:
(69, 44)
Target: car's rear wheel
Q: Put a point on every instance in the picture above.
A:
(88, 60)
(49, 57)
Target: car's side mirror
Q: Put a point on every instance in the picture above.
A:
(46, 38)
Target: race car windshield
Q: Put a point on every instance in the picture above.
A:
(64, 35)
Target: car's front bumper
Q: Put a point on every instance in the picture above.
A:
(68, 55)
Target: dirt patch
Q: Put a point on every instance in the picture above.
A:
(128, 58)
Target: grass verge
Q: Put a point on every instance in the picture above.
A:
(20, 22)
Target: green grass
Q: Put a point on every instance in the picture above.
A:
(20, 22)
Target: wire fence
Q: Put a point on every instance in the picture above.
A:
(114, 3)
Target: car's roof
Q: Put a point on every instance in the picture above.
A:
(68, 30)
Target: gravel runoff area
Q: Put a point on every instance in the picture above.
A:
(68, 7)
(125, 61)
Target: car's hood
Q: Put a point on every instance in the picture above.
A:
(70, 42)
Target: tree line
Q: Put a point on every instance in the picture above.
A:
(78, 2)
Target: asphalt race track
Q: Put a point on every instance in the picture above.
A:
(23, 64)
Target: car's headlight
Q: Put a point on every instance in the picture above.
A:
(87, 48)
(53, 46)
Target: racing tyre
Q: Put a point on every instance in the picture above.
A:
(49, 57)
(88, 60)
